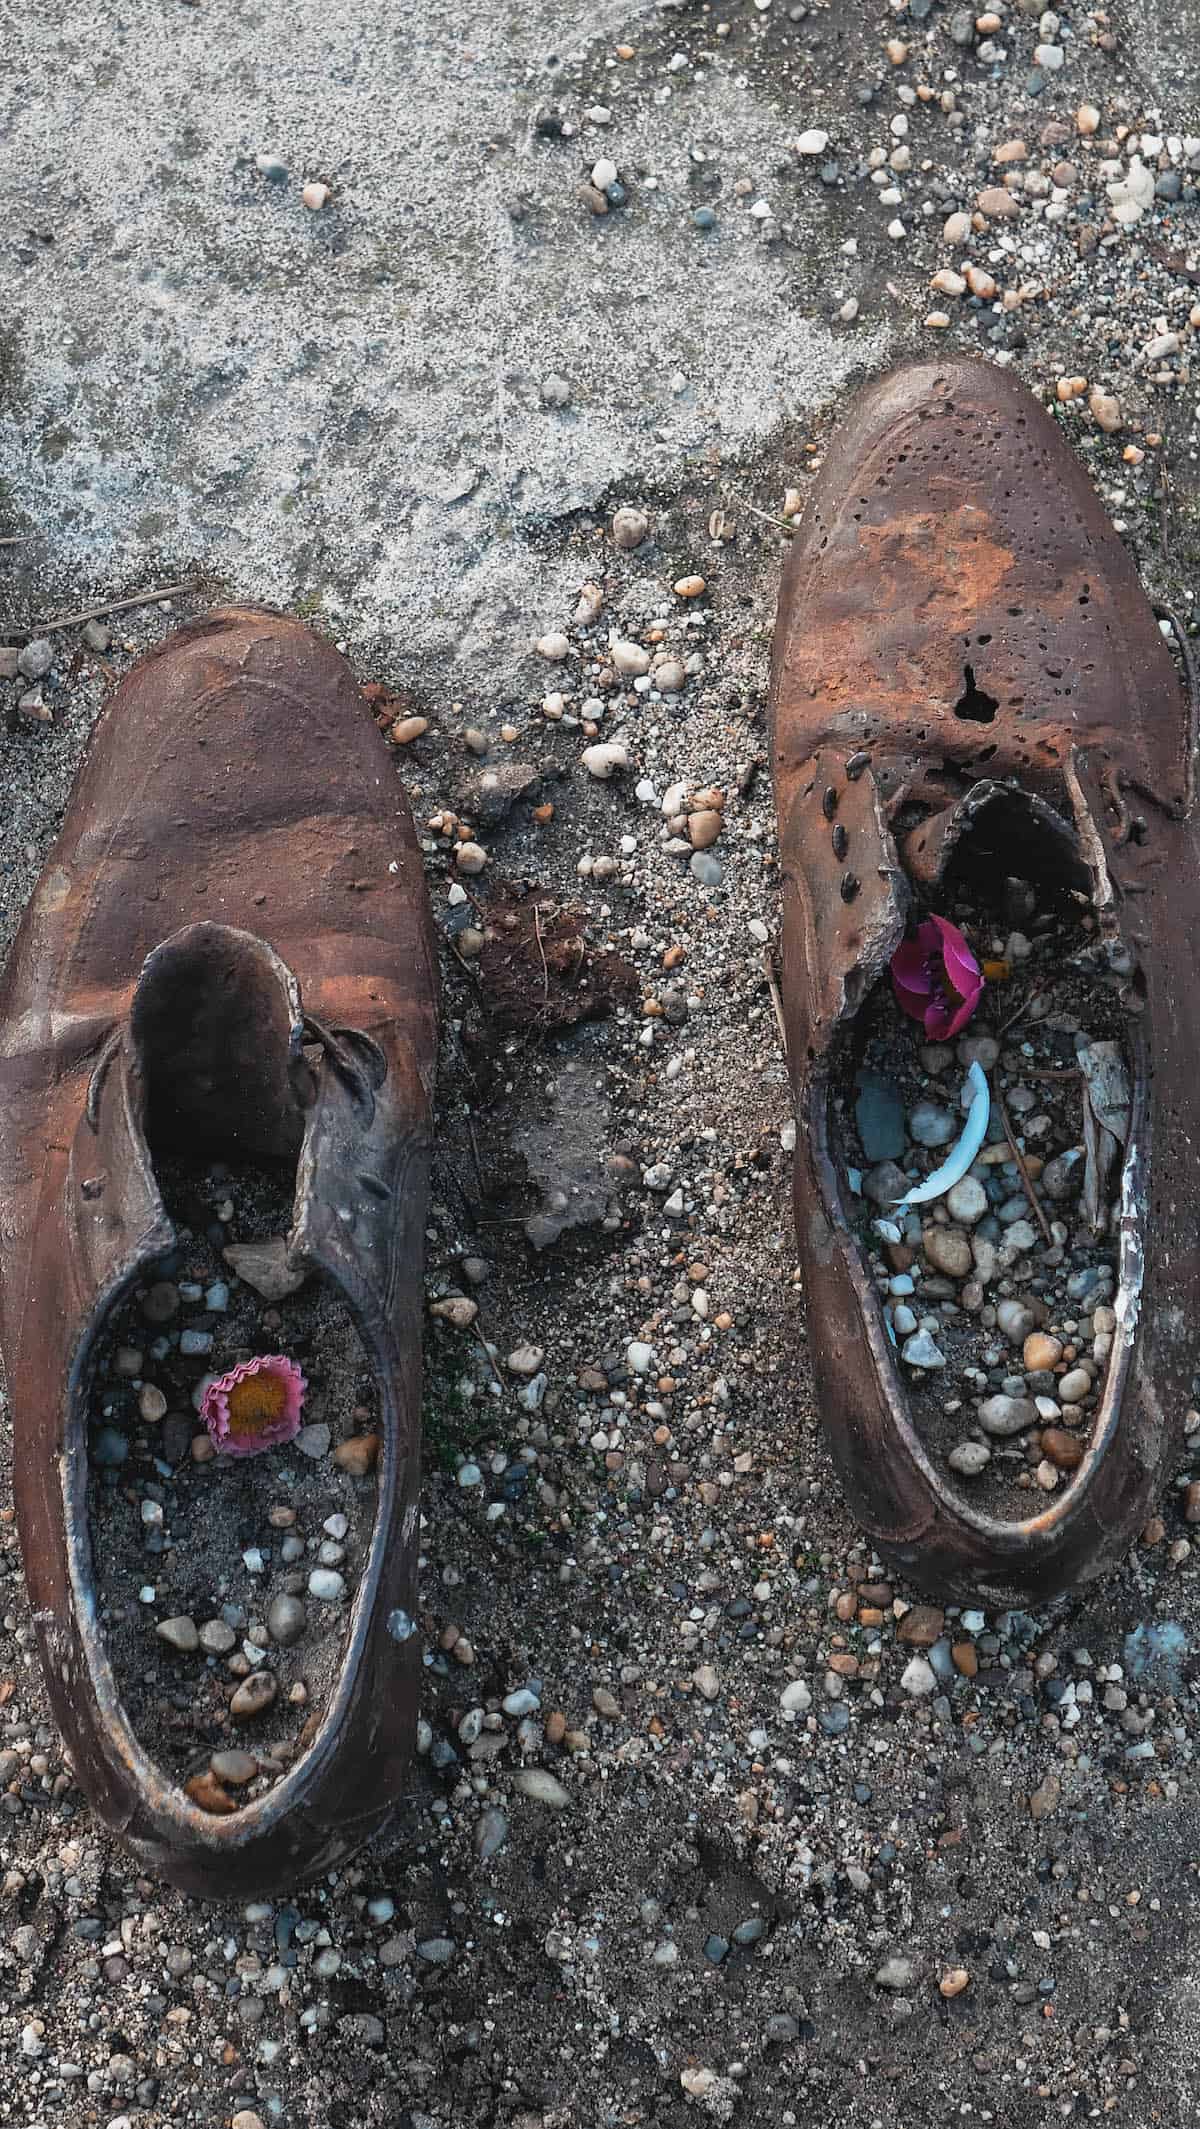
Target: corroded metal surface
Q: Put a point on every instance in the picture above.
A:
(958, 616)
(235, 884)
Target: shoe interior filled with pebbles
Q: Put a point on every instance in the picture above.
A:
(982, 1111)
(225, 1579)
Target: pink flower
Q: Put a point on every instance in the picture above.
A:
(937, 979)
(255, 1407)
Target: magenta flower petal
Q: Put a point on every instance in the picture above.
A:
(256, 1406)
(937, 979)
(912, 980)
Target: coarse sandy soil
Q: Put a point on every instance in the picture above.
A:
(357, 414)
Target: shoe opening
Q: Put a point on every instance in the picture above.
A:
(983, 1124)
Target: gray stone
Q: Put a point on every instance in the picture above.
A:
(327, 1584)
(1003, 1416)
(264, 1266)
(931, 1126)
(179, 1633)
(921, 1352)
(885, 1185)
(314, 1440)
(1016, 1321)
(967, 1201)
(879, 1117)
(543, 1787)
(491, 1832)
(217, 1638)
(969, 1459)
(286, 1620)
(35, 661)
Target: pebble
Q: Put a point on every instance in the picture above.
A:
(629, 527)
(525, 1360)
(554, 646)
(604, 760)
(1015, 1320)
(1041, 1352)
(918, 1678)
(470, 857)
(286, 1619)
(216, 1638)
(954, 1981)
(967, 1201)
(921, 1352)
(948, 1250)
(706, 1682)
(358, 1455)
(272, 167)
(211, 1795)
(542, 1787)
(264, 1267)
(326, 1584)
(313, 1441)
(812, 142)
(930, 1126)
(1074, 1386)
(704, 827)
(315, 196)
(179, 1633)
(161, 1302)
(1004, 1416)
(796, 1698)
(1045, 1798)
(234, 1768)
(629, 659)
(1064, 1450)
(254, 1696)
(706, 869)
(36, 659)
(555, 390)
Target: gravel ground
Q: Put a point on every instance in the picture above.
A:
(705, 1825)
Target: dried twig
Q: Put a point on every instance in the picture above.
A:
(117, 606)
(1023, 1008)
(1164, 512)
(487, 1353)
(784, 524)
(776, 995)
(537, 932)
(1026, 1178)
(16, 539)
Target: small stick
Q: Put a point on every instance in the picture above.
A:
(785, 524)
(1021, 1009)
(16, 540)
(1026, 1178)
(117, 606)
(487, 1353)
(776, 995)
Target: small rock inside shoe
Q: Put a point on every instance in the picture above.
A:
(224, 1582)
(998, 1295)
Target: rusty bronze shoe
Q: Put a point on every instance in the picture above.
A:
(227, 958)
(976, 718)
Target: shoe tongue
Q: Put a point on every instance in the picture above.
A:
(216, 1027)
(997, 829)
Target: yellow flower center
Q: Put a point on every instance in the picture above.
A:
(255, 1402)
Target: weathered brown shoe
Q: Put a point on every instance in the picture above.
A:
(969, 684)
(229, 949)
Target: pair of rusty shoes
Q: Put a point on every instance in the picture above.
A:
(229, 950)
